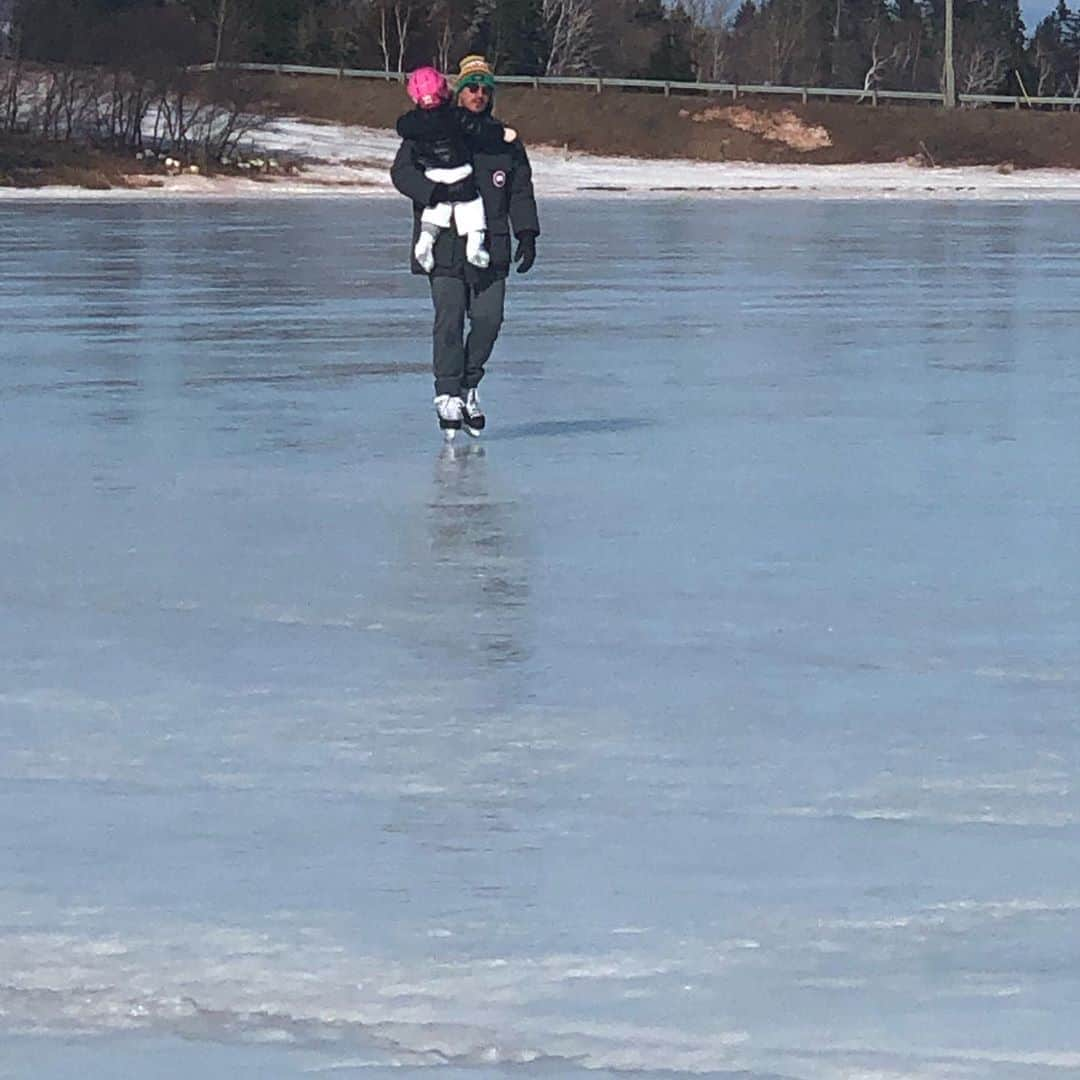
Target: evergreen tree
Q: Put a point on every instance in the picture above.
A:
(273, 39)
(510, 33)
(672, 58)
(813, 66)
(1053, 58)
(744, 17)
(879, 43)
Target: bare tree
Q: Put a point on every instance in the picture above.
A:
(219, 37)
(911, 52)
(207, 124)
(66, 105)
(1046, 69)
(443, 44)
(441, 23)
(130, 99)
(11, 77)
(12, 93)
(382, 34)
(403, 13)
(879, 64)
(1071, 85)
(393, 27)
(7, 30)
(784, 33)
(980, 69)
(571, 32)
(709, 37)
(948, 73)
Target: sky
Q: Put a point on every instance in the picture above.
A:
(1037, 10)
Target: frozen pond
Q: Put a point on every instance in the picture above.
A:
(715, 714)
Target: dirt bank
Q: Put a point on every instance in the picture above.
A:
(29, 163)
(642, 125)
(653, 126)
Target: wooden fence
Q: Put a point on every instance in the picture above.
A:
(733, 90)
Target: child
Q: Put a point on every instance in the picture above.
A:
(445, 136)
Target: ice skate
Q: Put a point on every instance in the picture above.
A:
(475, 252)
(472, 416)
(424, 251)
(449, 410)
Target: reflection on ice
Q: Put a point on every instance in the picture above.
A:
(478, 572)
(542, 428)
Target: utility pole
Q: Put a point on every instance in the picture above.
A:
(950, 73)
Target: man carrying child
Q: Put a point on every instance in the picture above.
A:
(460, 286)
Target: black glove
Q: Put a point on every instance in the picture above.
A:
(525, 255)
(460, 191)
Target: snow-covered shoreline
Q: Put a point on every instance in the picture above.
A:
(348, 161)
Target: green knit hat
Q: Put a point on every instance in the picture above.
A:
(474, 70)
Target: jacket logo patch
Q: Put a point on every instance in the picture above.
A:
(498, 178)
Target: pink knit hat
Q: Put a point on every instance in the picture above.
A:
(428, 88)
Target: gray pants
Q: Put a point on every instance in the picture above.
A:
(459, 361)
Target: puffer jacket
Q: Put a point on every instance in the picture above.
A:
(447, 137)
(504, 180)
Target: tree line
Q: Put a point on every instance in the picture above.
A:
(868, 44)
(115, 74)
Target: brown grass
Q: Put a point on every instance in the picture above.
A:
(646, 125)
(653, 126)
(27, 162)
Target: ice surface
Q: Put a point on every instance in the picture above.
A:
(715, 714)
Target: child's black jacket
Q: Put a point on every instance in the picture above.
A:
(447, 137)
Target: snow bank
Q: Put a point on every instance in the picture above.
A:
(351, 161)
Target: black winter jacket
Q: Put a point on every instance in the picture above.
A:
(504, 179)
(447, 137)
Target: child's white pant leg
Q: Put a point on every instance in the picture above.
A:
(469, 216)
(438, 215)
(441, 214)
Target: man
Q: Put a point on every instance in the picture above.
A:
(503, 179)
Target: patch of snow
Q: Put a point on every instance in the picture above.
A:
(342, 159)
